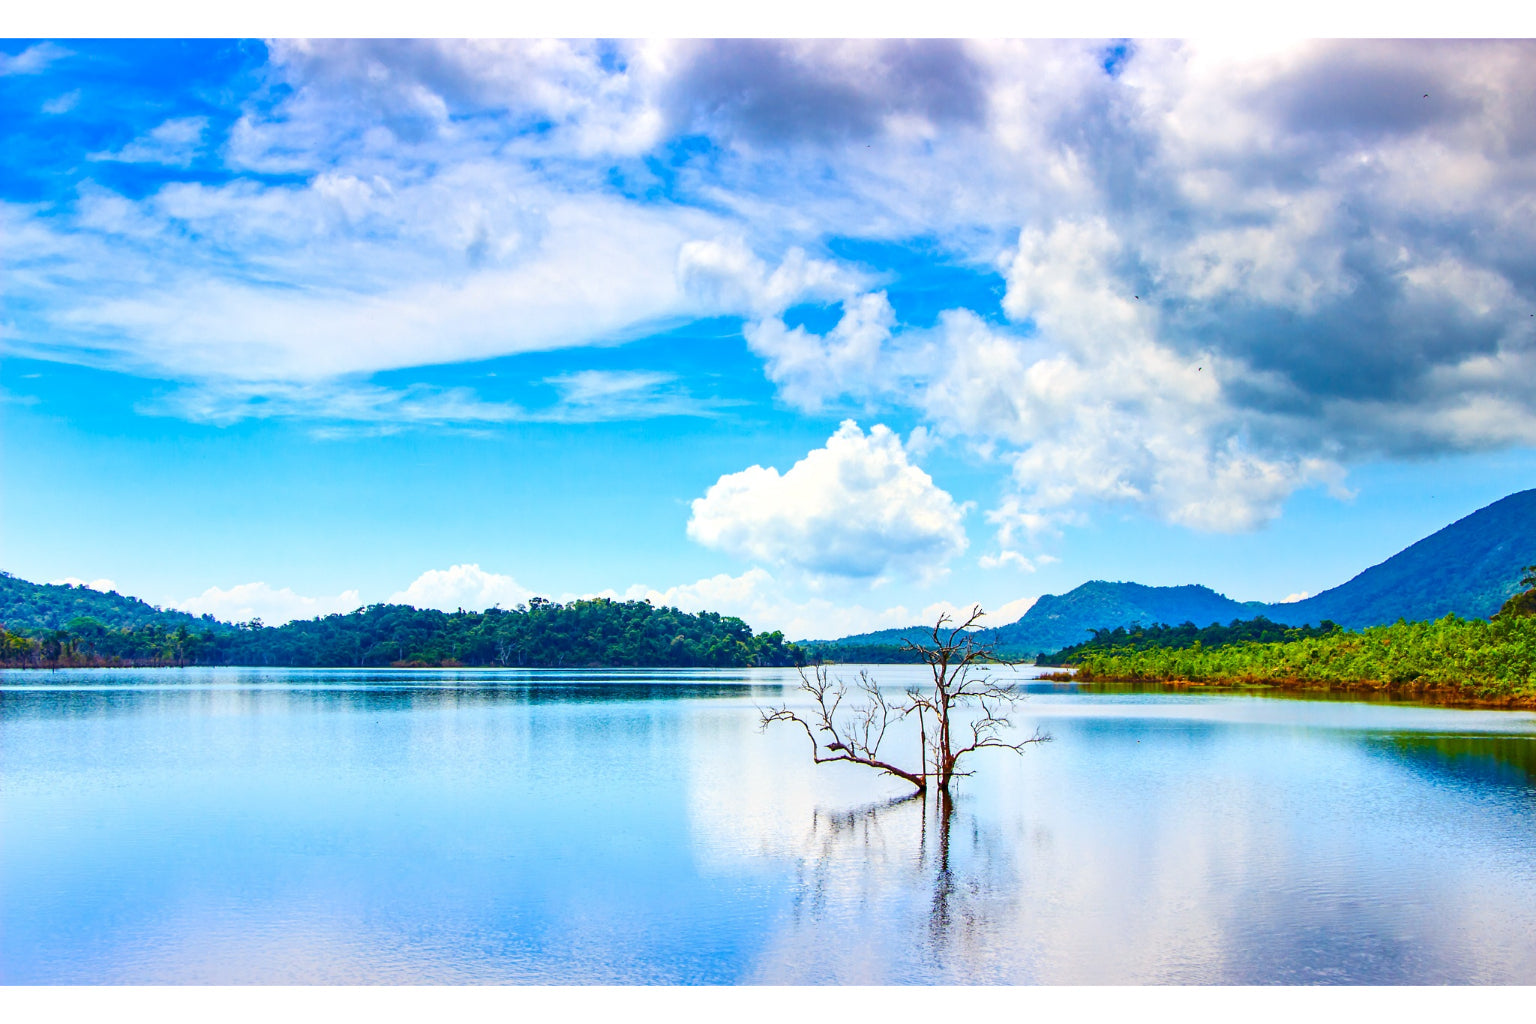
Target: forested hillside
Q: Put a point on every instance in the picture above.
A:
(1054, 622)
(1469, 569)
(35, 606)
(544, 634)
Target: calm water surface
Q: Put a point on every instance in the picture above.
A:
(230, 826)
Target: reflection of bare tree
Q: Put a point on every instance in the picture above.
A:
(926, 880)
(972, 889)
(833, 835)
(941, 909)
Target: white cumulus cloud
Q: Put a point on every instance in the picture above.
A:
(1109, 416)
(854, 509)
(462, 586)
(724, 274)
(246, 601)
(810, 368)
(103, 585)
(1010, 611)
(1005, 557)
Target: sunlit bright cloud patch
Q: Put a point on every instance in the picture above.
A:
(106, 586)
(466, 587)
(272, 605)
(855, 508)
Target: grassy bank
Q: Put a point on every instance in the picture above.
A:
(1449, 661)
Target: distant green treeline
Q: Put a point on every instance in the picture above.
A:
(543, 634)
(1471, 660)
(859, 654)
(1142, 638)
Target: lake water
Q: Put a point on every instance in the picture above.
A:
(242, 825)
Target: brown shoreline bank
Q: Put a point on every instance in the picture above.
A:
(1442, 696)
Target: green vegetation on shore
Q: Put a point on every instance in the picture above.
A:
(543, 634)
(1451, 660)
(1143, 638)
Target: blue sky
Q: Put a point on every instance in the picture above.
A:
(832, 336)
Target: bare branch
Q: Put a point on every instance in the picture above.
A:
(961, 680)
(993, 741)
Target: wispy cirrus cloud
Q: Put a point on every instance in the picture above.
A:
(587, 396)
(34, 60)
(175, 143)
(303, 285)
(62, 103)
(595, 395)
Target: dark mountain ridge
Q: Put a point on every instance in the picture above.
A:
(1469, 568)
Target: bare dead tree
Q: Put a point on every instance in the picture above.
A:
(851, 734)
(967, 709)
(961, 668)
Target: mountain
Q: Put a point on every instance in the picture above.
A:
(1057, 621)
(1469, 568)
(25, 605)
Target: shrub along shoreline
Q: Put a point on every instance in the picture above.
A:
(1451, 661)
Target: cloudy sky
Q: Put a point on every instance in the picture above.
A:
(824, 334)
